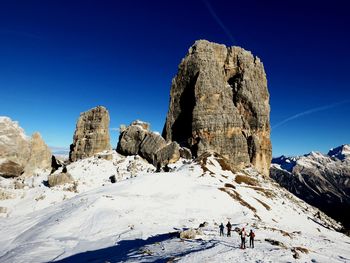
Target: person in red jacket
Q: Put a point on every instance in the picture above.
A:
(251, 238)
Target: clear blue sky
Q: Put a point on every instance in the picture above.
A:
(60, 58)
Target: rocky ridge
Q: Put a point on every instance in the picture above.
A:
(219, 102)
(129, 219)
(322, 180)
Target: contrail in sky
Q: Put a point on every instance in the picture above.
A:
(218, 20)
(307, 112)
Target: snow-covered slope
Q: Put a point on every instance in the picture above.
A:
(137, 218)
(322, 180)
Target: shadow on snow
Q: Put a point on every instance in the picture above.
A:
(132, 249)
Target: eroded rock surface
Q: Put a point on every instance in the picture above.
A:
(19, 154)
(91, 134)
(219, 102)
(137, 139)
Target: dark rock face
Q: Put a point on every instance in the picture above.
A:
(321, 180)
(55, 164)
(219, 102)
(137, 139)
(91, 134)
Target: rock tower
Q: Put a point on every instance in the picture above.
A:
(91, 134)
(219, 102)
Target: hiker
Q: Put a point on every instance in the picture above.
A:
(243, 235)
(221, 229)
(251, 238)
(229, 226)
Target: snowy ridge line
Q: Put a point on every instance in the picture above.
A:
(132, 219)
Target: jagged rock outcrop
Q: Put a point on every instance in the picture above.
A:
(137, 139)
(91, 135)
(322, 180)
(20, 155)
(219, 102)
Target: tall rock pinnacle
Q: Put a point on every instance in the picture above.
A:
(91, 134)
(219, 102)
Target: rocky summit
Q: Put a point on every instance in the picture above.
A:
(19, 154)
(219, 102)
(91, 134)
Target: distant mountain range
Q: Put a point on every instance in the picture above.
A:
(322, 180)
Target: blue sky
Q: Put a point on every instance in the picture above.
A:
(60, 58)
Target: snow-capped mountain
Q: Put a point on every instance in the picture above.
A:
(140, 217)
(341, 152)
(322, 180)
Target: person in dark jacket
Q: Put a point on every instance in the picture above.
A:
(229, 226)
(251, 238)
(221, 229)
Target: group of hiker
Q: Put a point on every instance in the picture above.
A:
(241, 232)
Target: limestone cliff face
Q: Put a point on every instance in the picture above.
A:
(91, 134)
(40, 154)
(20, 155)
(219, 102)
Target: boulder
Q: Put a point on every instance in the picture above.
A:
(130, 140)
(167, 155)
(190, 233)
(185, 153)
(219, 102)
(152, 143)
(59, 179)
(137, 139)
(11, 169)
(91, 135)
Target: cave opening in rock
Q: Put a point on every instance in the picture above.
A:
(182, 127)
(235, 84)
(234, 81)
